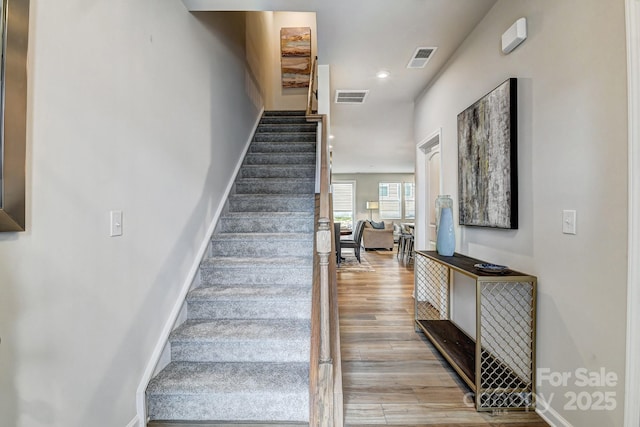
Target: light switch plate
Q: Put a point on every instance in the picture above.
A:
(569, 222)
(115, 223)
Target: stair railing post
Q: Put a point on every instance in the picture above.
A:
(323, 245)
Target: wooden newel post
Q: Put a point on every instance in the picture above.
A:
(325, 380)
(323, 245)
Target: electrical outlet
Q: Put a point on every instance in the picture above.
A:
(569, 222)
(116, 223)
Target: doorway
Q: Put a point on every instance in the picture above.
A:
(428, 188)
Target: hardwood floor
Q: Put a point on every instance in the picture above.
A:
(393, 375)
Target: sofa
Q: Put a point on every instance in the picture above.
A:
(373, 238)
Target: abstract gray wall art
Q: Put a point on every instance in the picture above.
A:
(487, 160)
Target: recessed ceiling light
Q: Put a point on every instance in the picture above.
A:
(382, 74)
(331, 136)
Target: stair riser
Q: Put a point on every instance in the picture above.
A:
(266, 186)
(286, 127)
(241, 351)
(266, 225)
(262, 248)
(250, 309)
(230, 407)
(284, 119)
(285, 137)
(278, 172)
(283, 147)
(253, 276)
(280, 159)
(248, 203)
(284, 113)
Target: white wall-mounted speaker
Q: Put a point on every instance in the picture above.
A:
(515, 35)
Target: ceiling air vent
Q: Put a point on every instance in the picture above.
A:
(421, 56)
(351, 96)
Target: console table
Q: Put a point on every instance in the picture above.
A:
(499, 365)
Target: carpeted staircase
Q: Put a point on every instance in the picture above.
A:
(243, 353)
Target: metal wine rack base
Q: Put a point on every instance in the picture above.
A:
(499, 365)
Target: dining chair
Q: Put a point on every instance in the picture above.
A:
(337, 242)
(355, 242)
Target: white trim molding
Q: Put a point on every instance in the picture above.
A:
(141, 405)
(421, 176)
(632, 377)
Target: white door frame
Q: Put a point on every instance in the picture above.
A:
(632, 380)
(423, 148)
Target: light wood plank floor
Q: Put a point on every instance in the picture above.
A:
(393, 375)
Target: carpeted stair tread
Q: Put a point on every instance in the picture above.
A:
(281, 159)
(262, 244)
(283, 119)
(305, 197)
(267, 222)
(264, 263)
(272, 113)
(276, 181)
(246, 293)
(257, 236)
(283, 147)
(230, 391)
(242, 330)
(262, 249)
(241, 301)
(277, 171)
(249, 293)
(187, 377)
(275, 186)
(275, 215)
(258, 271)
(241, 340)
(287, 127)
(271, 202)
(288, 136)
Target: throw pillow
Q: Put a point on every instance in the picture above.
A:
(377, 225)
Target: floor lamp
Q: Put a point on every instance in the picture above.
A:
(371, 206)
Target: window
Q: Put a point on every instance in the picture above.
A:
(409, 200)
(343, 202)
(389, 200)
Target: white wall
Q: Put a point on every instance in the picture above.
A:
(263, 37)
(290, 98)
(260, 47)
(136, 106)
(572, 155)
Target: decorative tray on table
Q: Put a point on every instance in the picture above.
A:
(492, 268)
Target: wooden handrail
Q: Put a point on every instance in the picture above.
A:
(312, 83)
(325, 391)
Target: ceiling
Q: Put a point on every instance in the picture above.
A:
(358, 38)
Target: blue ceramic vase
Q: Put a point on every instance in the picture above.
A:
(446, 239)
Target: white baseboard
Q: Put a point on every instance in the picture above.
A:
(141, 407)
(133, 422)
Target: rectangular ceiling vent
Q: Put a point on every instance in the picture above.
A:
(421, 56)
(351, 96)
